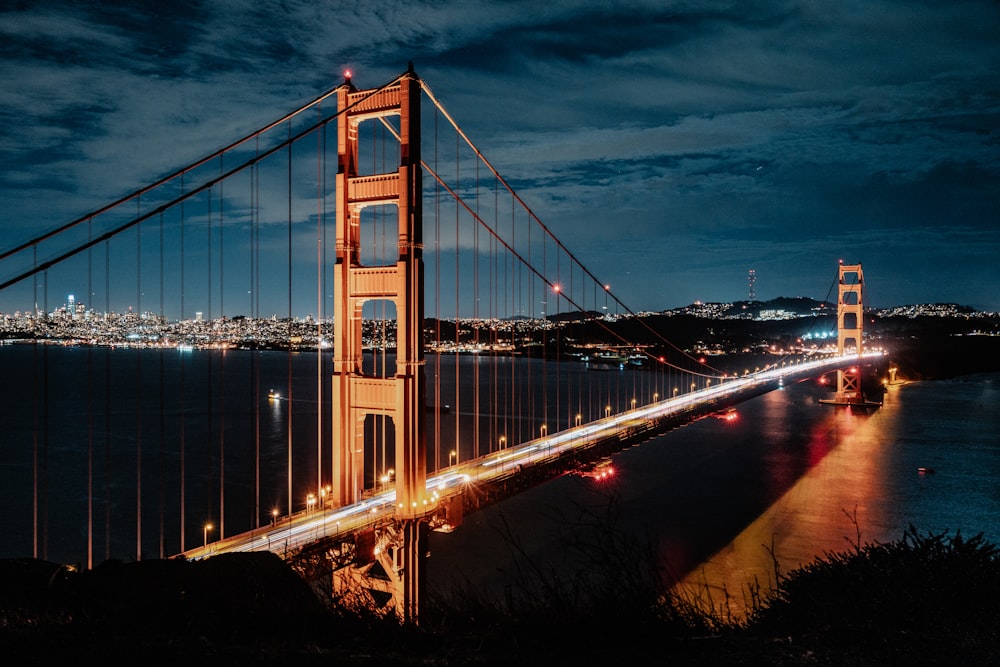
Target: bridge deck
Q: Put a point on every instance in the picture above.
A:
(291, 534)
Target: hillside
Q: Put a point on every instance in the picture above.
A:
(926, 599)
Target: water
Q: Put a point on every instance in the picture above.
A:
(68, 409)
(790, 478)
(716, 498)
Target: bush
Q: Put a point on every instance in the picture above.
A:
(930, 597)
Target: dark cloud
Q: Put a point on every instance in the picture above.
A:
(779, 136)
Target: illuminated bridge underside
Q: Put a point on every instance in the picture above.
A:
(298, 533)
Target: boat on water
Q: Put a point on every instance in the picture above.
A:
(273, 395)
(605, 361)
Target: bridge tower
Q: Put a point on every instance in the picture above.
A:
(850, 321)
(400, 397)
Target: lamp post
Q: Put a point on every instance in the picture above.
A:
(503, 442)
(607, 410)
(633, 404)
(578, 418)
(452, 456)
(274, 516)
(204, 535)
(545, 430)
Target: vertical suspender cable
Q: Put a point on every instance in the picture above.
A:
(323, 283)
(458, 333)
(210, 359)
(138, 387)
(515, 410)
(545, 333)
(556, 293)
(255, 310)
(162, 457)
(90, 409)
(319, 305)
(475, 319)
(222, 354)
(45, 427)
(495, 429)
(254, 384)
(437, 305)
(183, 407)
(107, 406)
(34, 416)
(289, 341)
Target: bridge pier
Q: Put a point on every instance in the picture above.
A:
(388, 571)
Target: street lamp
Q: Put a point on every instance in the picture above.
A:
(503, 442)
(656, 397)
(578, 418)
(274, 516)
(633, 404)
(675, 391)
(452, 455)
(204, 535)
(607, 410)
(545, 430)
(310, 501)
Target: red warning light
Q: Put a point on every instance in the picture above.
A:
(347, 74)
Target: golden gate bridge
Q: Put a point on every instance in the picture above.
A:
(437, 388)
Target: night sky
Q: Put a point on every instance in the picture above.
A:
(673, 145)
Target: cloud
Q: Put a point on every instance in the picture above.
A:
(750, 129)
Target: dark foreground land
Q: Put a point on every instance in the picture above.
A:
(926, 599)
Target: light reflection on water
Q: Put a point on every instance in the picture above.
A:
(869, 480)
(790, 475)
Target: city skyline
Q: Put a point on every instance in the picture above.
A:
(776, 137)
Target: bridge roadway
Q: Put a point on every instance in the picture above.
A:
(290, 533)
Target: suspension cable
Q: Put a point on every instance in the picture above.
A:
(545, 228)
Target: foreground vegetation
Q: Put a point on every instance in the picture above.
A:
(925, 599)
